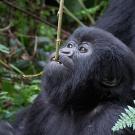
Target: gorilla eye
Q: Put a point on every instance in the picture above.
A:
(69, 45)
(82, 49)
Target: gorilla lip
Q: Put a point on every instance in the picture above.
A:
(63, 61)
(58, 61)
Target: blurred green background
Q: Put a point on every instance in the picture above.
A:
(27, 37)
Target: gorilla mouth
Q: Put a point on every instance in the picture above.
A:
(58, 61)
(63, 61)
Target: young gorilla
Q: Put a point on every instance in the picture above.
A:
(85, 92)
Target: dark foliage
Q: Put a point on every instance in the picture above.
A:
(51, 2)
(85, 91)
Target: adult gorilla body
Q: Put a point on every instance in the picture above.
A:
(119, 19)
(84, 93)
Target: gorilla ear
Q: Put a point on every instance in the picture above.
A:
(110, 75)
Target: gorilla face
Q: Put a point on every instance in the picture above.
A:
(73, 57)
(92, 64)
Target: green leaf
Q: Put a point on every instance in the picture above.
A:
(16, 69)
(4, 49)
(127, 119)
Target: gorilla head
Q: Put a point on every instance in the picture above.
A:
(93, 67)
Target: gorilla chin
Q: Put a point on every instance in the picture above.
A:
(59, 71)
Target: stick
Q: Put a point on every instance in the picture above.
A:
(58, 40)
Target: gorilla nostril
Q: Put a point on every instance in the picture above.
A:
(65, 52)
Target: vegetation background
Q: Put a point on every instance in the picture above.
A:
(27, 37)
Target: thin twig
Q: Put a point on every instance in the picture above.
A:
(10, 66)
(35, 46)
(4, 64)
(31, 76)
(69, 13)
(58, 40)
(73, 16)
(6, 28)
(89, 16)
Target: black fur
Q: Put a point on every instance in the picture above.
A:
(6, 128)
(78, 97)
(119, 19)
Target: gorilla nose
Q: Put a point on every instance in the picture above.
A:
(66, 52)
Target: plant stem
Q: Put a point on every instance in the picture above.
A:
(89, 16)
(58, 40)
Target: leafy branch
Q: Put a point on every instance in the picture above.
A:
(127, 119)
(31, 15)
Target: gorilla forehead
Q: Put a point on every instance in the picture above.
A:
(83, 34)
(95, 36)
(90, 33)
